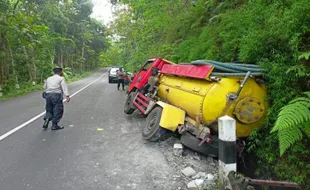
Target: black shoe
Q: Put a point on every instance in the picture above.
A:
(45, 124)
(57, 127)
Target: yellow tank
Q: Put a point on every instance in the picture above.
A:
(208, 100)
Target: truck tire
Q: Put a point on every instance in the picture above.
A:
(110, 81)
(207, 149)
(152, 131)
(128, 106)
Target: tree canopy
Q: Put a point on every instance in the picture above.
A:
(36, 35)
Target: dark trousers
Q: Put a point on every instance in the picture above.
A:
(54, 108)
(120, 81)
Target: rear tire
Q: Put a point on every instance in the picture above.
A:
(192, 142)
(152, 131)
(128, 106)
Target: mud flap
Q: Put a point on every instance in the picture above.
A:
(171, 116)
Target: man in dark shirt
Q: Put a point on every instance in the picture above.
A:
(120, 76)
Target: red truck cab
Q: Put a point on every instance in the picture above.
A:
(145, 72)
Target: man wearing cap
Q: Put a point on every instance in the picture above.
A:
(55, 86)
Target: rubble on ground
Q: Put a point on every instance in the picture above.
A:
(195, 171)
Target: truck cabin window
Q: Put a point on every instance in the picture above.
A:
(147, 65)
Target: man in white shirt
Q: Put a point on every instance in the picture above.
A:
(55, 86)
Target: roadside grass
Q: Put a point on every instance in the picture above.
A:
(26, 88)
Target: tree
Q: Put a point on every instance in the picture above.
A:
(38, 35)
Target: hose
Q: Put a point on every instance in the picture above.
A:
(237, 67)
(238, 64)
(234, 74)
(230, 69)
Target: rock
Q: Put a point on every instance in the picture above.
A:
(199, 183)
(210, 160)
(202, 175)
(188, 172)
(250, 188)
(210, 177)
(212, 164)
(208, 183)
(209, 180)
(196, 157)
(178, 149)
(192, 185)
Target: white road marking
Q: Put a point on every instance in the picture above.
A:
(41, 114)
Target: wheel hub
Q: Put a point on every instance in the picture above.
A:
(151, 124)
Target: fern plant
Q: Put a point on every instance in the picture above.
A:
(293, 122)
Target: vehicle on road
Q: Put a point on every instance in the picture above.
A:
(113, 74)
(189, 98)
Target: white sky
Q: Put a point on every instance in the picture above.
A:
(102, 11)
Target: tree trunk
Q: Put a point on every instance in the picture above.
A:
(33, 66)
(1, 71)
(187, 3)
(12, 63)
(60, 59)
(83, 49)
(29, 60)
(53, 58)
(7, 67)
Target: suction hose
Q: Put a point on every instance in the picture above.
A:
(230, 69)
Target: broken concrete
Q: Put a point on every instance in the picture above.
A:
(200, 175)
(192, 185)
(178, 149)
(188, 172)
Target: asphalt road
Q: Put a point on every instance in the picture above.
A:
(80, 157)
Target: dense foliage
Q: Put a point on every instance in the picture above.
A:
(37, 35)
(272, 33)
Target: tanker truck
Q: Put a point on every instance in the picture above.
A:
(189, 98)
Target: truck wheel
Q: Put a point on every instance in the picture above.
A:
(152, 131)
(192, 142)
(128, 107)
(110, 81)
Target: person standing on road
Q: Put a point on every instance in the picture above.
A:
(126, 80)
(55, 86)
(120, 76)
